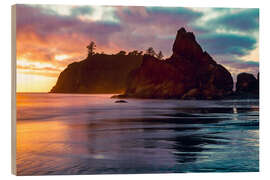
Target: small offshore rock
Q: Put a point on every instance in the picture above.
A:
(120, 101)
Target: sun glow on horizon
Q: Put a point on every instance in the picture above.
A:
(34, 83)
(252, 56)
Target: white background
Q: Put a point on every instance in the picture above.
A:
(5, 86)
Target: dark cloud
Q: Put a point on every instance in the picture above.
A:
(141, 42)
(237, 66)
(44, 25)
(224, 44)
(158, 16)
(200, 29)
(152, 26)
(183, 13)
(240, 64)
(244, 20)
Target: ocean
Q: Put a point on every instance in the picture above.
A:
(91, 134)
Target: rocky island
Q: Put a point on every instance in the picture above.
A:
(190, 73)
(100, 73)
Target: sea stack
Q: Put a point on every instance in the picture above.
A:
(100, 73)
(247, 86)
(190, 73)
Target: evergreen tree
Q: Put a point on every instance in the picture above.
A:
(91, 48)
(150, 51)
(121, 53)
(160, 55)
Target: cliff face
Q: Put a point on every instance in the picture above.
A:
(97, 74)
(190, 73)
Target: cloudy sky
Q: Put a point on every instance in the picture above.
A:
(49, 37)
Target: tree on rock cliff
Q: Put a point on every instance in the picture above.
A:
(150, 51)
(121, 53)
(160, 55)
(91, 48)
(135, 53)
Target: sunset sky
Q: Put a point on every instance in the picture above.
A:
(49, 37)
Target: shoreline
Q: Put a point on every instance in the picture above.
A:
(119, 96)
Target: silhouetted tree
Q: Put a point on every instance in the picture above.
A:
(160, 55)
(91, 48)
(150, 51)
(134, 53)
(121, 53)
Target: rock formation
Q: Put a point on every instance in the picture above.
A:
(247, 86)
(190, 73)
(100, 73)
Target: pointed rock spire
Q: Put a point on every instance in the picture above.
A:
(185, 44)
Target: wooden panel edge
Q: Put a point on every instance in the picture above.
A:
(13, 89)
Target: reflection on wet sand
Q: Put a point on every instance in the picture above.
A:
(151, 140)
